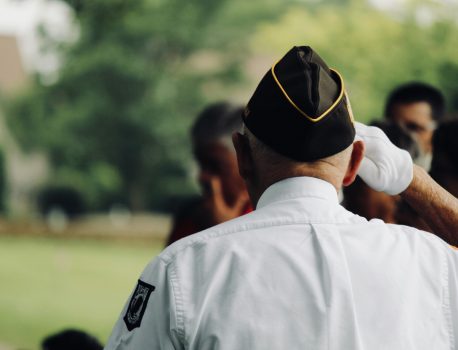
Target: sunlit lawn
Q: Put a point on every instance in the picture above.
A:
(50, 284)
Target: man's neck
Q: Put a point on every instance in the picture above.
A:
(325, 173)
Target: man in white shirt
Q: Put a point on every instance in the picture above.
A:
(301, 272)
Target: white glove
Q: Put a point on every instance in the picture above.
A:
(385, 167)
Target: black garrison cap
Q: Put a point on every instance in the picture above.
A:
(300, 108)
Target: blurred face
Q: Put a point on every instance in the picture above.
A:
(417, 119)
(216, 160)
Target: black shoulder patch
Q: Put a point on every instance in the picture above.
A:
(137, 305)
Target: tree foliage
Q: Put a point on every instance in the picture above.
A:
(375, 51)
(115, 122)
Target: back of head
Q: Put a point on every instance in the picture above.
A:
(298, 122)
(217, 122)
(268, 161)
(71, 339)
(416, 92)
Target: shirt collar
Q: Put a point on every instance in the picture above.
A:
(295, 187)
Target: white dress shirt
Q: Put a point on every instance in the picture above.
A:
(300, 272)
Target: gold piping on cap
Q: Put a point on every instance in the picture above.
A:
(326, 112)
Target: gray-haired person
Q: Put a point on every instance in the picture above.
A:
(224, 194)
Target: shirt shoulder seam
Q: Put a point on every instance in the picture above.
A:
(168, 256)
(179, 303)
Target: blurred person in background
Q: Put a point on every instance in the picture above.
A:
(418, 108)
(71, 339)
(444, 166)
(360, 199)
(224, 194)
(444, 170)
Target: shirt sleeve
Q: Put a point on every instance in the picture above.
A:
(149, 318)
(452, 257)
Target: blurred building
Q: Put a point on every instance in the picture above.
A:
(23, 172)
(12, 74)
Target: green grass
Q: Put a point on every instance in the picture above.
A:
(47, 285)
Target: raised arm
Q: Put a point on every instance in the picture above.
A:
(389, 169)
(434, 204)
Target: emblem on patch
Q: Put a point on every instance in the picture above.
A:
(137, 305)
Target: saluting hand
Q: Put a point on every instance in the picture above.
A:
(385, 167)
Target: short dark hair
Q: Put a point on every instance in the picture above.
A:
(71, 339)
(217, 121)
(445, 151)
(416, 92)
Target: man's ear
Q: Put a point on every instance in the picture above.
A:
(357, 156)
(242, 149)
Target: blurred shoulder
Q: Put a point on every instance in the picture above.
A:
(216, 235)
